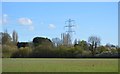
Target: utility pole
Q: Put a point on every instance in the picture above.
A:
(69, 31)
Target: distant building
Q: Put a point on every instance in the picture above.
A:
(66, 39)
(56, 41)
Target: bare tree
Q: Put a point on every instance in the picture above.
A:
(15, 36)
(94, 43)
(56, 41)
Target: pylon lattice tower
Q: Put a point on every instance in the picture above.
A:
(69, 31)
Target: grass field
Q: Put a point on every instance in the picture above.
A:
(59, 65)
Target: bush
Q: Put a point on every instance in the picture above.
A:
(22, 52)
(79, 49)
(8, 50)
(87, 53)
(101, 49)
(114, 51)
(42, 51)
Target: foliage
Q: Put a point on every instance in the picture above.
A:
(8, 50)
(40, 40)
(79, 49)
(83, 44)
(42, 51)
(86, 53)
(5, 38)
(43, 47)
(114, 51)
(22, 52)
(101, 49)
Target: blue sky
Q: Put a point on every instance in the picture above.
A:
(47, 19)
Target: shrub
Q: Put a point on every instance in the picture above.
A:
(22, 52)
(42, 51)
(7, 51)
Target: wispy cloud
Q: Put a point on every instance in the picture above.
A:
(26, 22)
(52, 26)
(4, 19)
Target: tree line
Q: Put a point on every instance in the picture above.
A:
(41, 47)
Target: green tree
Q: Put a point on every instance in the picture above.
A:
(8, 48)
(101, 49)
(43, 47)
(40, 40)
(42, 51)
(83, 44)
(78, 51)
(5, 38)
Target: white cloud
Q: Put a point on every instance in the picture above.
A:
(52, 26)
(5, 19)
(25, 21)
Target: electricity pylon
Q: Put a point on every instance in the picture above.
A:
(69, 31)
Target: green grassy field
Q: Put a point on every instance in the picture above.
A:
(59, 65)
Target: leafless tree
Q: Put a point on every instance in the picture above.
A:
(94, 43)
(15, 36)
